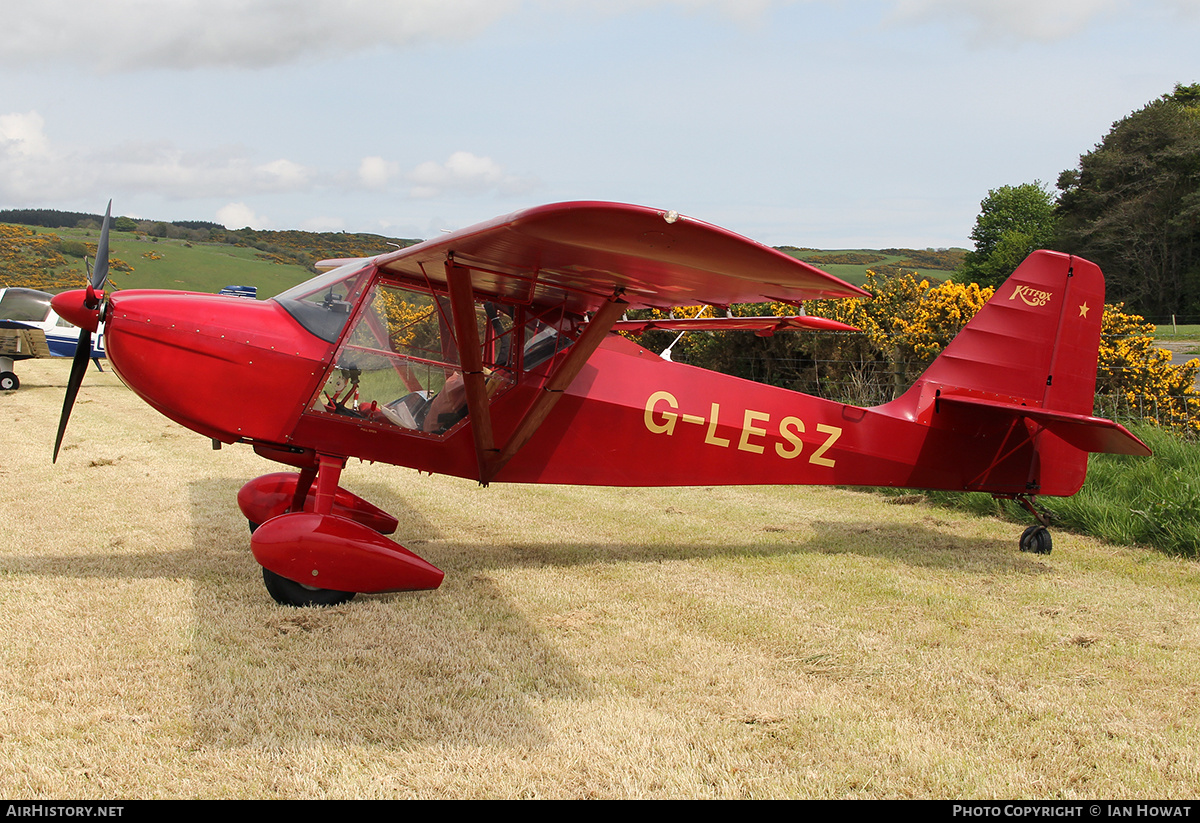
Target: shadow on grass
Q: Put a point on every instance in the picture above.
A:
(457, 664)
(917, 546)
(462, 665)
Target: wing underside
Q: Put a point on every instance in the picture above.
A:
(577, 255)
(19, 341)
(763, 326)
(595, 259)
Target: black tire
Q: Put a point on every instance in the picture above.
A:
(9, 381)
(253, 526)
(290, 593)
(1036, 540)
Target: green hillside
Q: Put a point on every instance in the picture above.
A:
(160, 263)
(52, 258)
(852, 265)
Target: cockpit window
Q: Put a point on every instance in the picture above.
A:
(24, 305)
(399, 365)
(323, 305)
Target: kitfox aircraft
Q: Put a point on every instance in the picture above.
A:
(490, 354)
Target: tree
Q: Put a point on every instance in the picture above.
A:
(1133, 206)
(1013, 221)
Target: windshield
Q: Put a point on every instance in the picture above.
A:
(323, 305)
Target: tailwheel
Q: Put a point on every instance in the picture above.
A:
(1036, 539)
(290, 593)
(9, 381)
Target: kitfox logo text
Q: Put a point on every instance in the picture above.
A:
(1031, 297)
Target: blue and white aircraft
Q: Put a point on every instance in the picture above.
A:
(29, 328)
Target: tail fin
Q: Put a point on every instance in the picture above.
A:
(1020, 380)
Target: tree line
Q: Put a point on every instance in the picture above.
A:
(1132, 206)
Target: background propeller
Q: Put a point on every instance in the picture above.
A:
(83, 349)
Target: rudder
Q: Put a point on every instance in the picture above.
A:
(1018, 383)
(1036, 340)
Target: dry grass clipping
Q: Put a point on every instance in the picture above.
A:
(710, 642)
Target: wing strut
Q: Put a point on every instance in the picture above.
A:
(462, 307)
(470, 356)
(558, 382)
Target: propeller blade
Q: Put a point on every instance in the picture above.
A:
(83, 352)
(100, 270)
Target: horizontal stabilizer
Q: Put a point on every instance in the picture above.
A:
(763, 326)
(1090, 434)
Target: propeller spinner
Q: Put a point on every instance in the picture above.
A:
(87, 317)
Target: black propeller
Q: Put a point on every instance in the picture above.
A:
(83, 349)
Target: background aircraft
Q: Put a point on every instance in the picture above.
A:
(489, 353)
(29, 328)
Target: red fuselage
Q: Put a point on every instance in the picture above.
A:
(245, 371)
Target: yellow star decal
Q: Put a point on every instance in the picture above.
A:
(1083, 310)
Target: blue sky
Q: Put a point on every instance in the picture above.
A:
(857, 124)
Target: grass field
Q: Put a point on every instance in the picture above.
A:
(206, 267)
(856, 273)
(708, 642)
(1178, 332)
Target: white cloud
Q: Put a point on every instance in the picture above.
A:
(23, 135)
(30, 171)
(375, 172)
(1013, 19)
(282, 175)
(34, 165)
(239, 216)
(323, 224)
(124, 35)
(743, 11)
(463, 172)
(185, 34)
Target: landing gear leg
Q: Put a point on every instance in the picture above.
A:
(319, 543)
(289, 592)
(8, 378)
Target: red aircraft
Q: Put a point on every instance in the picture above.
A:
(490, 354)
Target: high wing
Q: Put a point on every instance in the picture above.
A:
(595, 258)
(19, 341)
(576, 255)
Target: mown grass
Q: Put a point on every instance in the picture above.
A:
(710, 642)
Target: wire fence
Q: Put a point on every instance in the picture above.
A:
(1174, 322)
